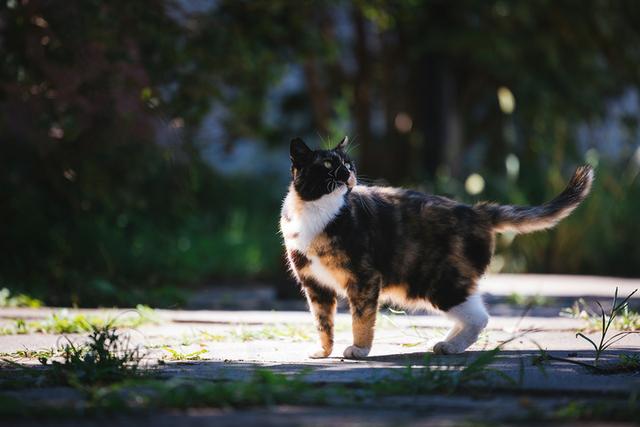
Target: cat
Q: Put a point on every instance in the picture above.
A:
(382, 244)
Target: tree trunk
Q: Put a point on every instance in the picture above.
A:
(318, 97)
(362, 96)
(452, 123)
(438, 114)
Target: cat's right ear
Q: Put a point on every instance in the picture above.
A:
(299, 152)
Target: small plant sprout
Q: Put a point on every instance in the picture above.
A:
(607, 320)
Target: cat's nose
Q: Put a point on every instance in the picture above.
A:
(343, 173)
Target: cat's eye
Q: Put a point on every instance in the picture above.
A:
(327, 164)
(349, 166)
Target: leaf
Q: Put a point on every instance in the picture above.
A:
(580, 334)
(413, 344)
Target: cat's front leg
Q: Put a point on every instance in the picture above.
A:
(363, 301)
(322, 303)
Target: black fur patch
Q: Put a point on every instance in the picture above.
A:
(325, 323)
(319, 294)
(478, 251)
(299, 260)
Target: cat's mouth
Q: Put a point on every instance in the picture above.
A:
(351, 182)
(333, 184)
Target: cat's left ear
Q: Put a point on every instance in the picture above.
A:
(299, 152)
(342, 144)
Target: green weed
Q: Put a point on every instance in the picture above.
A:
(448, 378)
(606, 321)
(609, 411)
(625, 319)
(288, 332)
(529, 300)
(177, 355)
(244, 333)
(31, 354)
(20, 300)
(106, 357)
(629, 362)
(209, 336)
(64, 322)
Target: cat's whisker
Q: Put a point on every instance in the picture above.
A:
(324, 142)
(351, 147)
(365, 181)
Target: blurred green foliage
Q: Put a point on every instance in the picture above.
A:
(601, 237)
(106, 196)
(20, 300)
(126, 232)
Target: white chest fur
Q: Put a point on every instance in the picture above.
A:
(302, 221)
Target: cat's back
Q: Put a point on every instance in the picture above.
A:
(372, 200)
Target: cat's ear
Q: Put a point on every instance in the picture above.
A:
(299, 152)
(342, 144)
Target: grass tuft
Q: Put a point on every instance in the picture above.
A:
(107, 357)
(64, 322)
(20, 300)
(625, 319)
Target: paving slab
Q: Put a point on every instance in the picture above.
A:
(236, 343)
(396, 346)
(552, 285)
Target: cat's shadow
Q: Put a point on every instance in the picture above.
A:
(407, 358)
(504, 356)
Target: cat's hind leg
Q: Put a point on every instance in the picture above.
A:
(470, 318)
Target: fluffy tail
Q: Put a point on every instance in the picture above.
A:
(525, 219)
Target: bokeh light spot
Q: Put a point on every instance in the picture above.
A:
(403, 122)
(56, 132)
(506, 100)
(512, 163)
(474, 184)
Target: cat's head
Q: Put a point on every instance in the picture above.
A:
(319, 172)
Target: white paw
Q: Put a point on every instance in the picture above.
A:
(355, 352)
(444, 347)
(320, 354)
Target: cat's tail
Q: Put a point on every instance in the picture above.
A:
(525, 219)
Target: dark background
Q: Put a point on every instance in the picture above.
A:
(143, 144)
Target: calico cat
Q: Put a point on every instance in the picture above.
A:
(373, 244)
